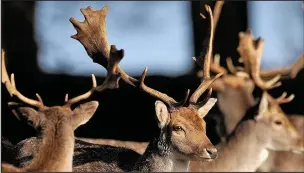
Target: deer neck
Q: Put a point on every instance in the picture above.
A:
(244, 152)
(56, 150)
(158, 157)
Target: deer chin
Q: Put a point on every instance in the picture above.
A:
(203, 157)
(193, 157)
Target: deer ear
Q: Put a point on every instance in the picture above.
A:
(83, 113)
(202, 111)
(263, 107)
(22, 110)
(162, 114)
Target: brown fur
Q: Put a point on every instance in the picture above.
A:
(168, 147)
(286, 161)
(235, 97)
(57, 145)
(139, 147)
(248, 148)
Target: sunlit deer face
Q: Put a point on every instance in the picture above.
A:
(185, 130)
(51, 116)
(277, 129)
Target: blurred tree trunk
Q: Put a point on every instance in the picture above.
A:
(18, 37)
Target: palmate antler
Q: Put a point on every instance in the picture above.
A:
(249, 48)
(251, 53)
(91, 33)
(93, 36)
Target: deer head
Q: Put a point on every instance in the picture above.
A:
(56, 124)
(44, 116)
(278, 131)
(182, 127)
(234, 92)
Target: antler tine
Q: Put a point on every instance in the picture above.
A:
(164, 97)
(92, 34)
(230, 65)
(215, 65)
(83, 96)
(206, 68)
(251, 52)
(217, 12)
(233, 69)
(291, 71)
(11, 87)
(282, 99)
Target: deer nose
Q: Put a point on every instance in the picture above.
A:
(212, 151)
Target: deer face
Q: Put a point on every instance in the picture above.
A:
(276, 127)
(185, 131)
(51, 116)
(234, 90)
(235, 97)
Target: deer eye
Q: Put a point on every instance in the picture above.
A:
(278, 122)
(177, 128)
(30, 122)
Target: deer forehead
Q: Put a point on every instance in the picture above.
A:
(276, 112)
(188, 117)
(236, 81)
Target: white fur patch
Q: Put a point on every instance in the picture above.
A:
(263, 155)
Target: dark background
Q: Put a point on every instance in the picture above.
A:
(125, 113)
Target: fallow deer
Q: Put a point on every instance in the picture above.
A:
(251, 55)
(182, 129)
(284, 161)
(57, 124)
(182, 136)
(248, 147)
(234, 91)
(248, 55)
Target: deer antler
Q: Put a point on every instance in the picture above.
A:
(217, 12)
(291, 71)
(215, 65)
(11, 87)
(81, 97)
(201, 89)
(111, 80)
(91, 33)
(207, 81)
(251, 53)
(167, 99)
(282, 99)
